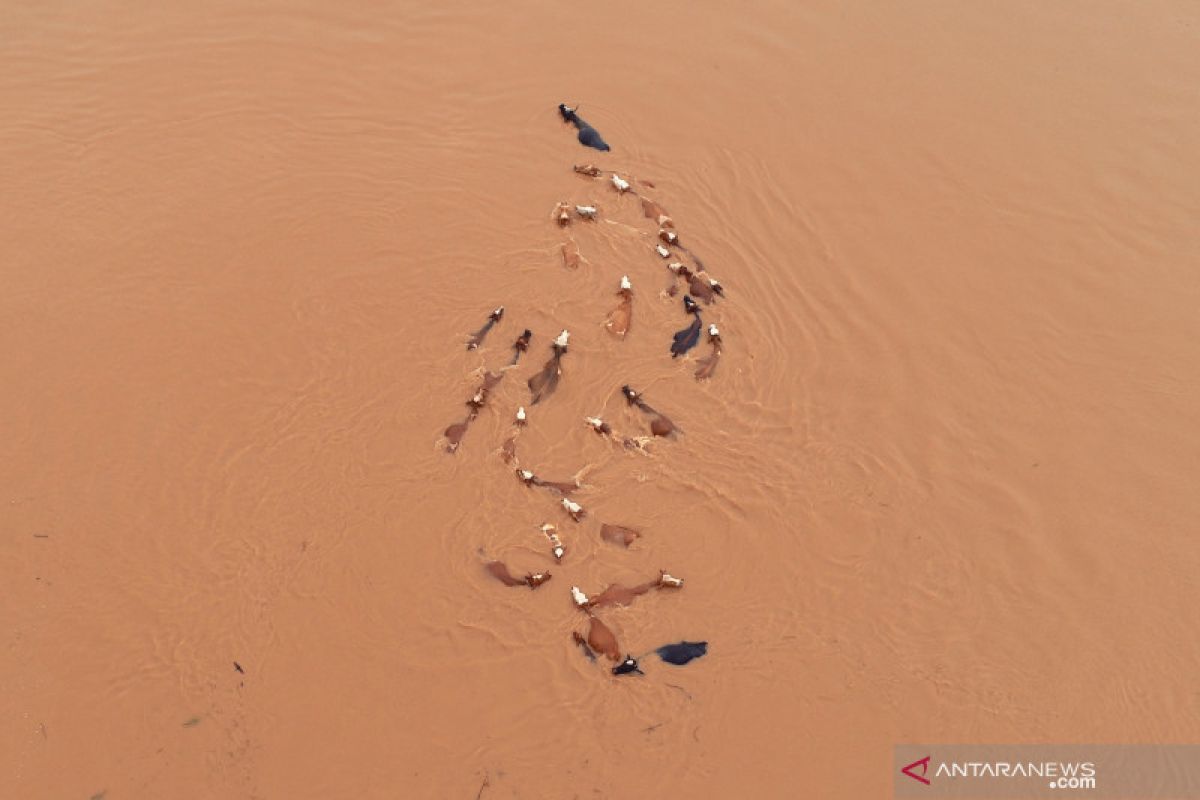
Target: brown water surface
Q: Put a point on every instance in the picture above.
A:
(941, 486)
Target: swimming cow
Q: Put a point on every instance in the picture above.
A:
(706, 365)
(588, 136)
(660, 425)
(678, 654)
(686, 339)
(520, 346)
(545, 382)
(620, 318)
(477, 337)
(455, 433)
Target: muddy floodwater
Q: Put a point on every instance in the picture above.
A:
(940, 487)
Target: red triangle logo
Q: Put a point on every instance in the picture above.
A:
(924, 765)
